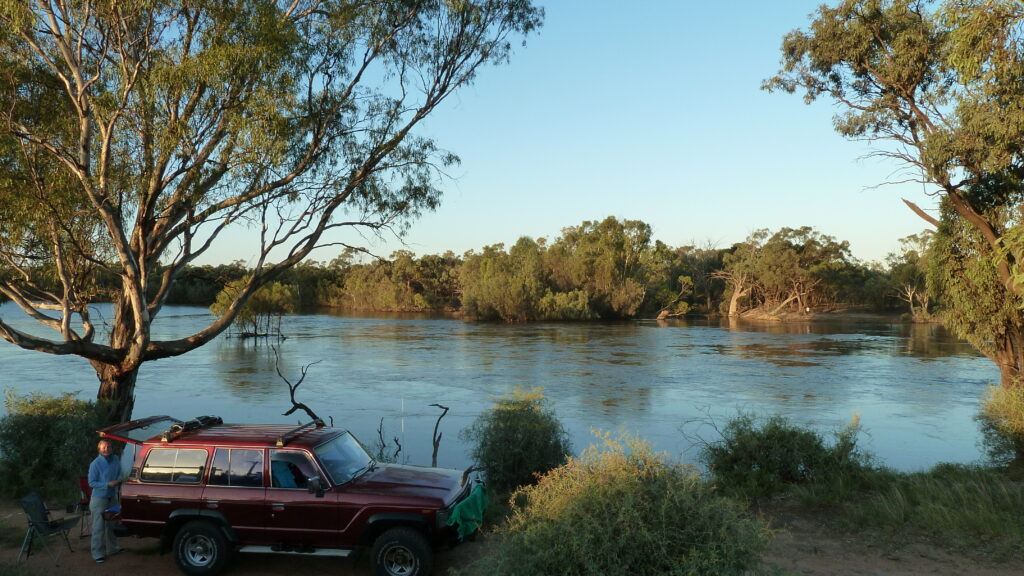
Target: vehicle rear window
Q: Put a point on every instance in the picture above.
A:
(237, 467)
(174, 465)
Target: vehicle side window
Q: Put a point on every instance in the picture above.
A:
(290, 469)
(174, 465)
(237, 467)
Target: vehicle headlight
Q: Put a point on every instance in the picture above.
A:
(442, 516)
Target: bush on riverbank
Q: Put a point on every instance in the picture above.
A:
(1002, 427)
(620, 508)
(965, 508)
(518, 438)
(758, 458)
(47, 442)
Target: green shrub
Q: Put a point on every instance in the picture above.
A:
(620, 508)
(47, 442)
(1002, 426)
(755, 459)
(518, 438)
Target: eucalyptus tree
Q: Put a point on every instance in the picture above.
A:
(909, 268)
(133, 134)
(935, 86)
(791, 267)
(261, 316)
(608, 260)
(703, 262)
(505, 285)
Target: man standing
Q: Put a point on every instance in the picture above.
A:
(104, 477)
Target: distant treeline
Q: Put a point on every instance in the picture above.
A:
(610, 269)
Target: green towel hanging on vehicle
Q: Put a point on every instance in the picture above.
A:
(468, 515)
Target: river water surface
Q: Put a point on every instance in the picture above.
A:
(915, 388)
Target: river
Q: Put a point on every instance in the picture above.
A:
(915, 388)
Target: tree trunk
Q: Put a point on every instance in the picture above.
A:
(785, 302)
(1007, 358)
(117, 387)
(117, 380)
(907, 294)
(734, 302)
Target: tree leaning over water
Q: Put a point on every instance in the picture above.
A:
(133, 134)
(938, 84)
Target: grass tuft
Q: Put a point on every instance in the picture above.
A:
(960, 507)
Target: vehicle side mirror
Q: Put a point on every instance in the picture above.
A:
(315, 486)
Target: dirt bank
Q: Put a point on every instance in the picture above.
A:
(802, 546)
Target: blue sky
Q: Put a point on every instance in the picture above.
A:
(653, 111)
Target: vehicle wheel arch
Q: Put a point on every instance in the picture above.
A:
(381, 523)
(177, 519)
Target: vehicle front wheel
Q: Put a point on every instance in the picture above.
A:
(200, 549)
(402, 552)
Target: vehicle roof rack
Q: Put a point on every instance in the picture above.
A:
(175, 431)
(284, 438)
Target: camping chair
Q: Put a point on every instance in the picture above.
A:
(40, 524)
(82, 507)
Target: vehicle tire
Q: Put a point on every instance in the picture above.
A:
(200, 549)
(402, 552)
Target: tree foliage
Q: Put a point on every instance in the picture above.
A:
(909, 268)
(519, 284)
(261, 315)
(403, 283)
(133, 135)
(977, 306)
(608, 269)
(46, 442)
(936, 86)
(796, 268)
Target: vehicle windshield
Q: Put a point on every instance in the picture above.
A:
(343, 458)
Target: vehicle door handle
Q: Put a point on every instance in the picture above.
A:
(277, 506)
(212, 503)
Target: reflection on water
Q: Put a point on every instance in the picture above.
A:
(915, 387)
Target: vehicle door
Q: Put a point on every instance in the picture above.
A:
(343, 459)
(168, 479)
(236, 491)
(294, 516)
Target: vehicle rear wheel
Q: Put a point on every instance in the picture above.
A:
(402, 552)
(200, 549)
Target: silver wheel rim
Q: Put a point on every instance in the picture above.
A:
(199, 550)
(399, 561)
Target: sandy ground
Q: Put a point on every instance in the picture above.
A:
(142, 557)
(801, 547)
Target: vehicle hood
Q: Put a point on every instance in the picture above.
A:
(440, 486)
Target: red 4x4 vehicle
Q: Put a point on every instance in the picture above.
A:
(207, 489)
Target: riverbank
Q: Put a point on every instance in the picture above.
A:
(803, 544)
(837, 313)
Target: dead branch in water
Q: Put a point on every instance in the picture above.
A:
(293, 387)
(437, 435)
(382, 445)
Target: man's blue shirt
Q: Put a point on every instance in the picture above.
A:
(104, 469)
